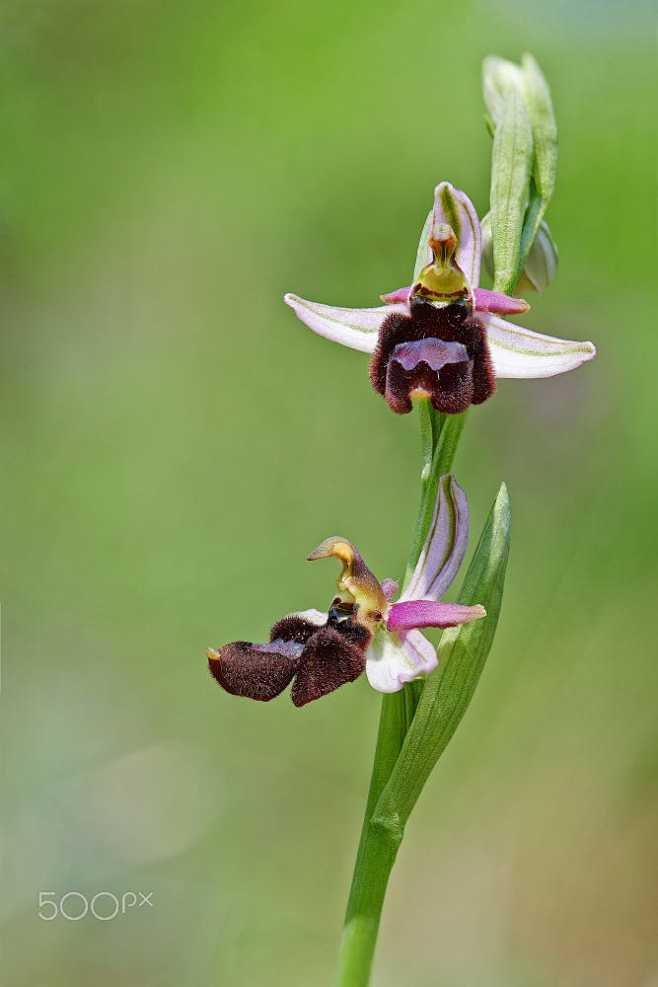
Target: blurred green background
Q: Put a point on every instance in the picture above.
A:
(174, 442)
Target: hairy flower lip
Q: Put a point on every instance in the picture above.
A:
(253, 671)
(515, 351)
(442, 350)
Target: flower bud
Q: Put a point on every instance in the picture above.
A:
(501, 79)
(540, 265)
(523, 170)
(541, 262)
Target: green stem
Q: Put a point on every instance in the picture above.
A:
(379, 840)
(440, 436)
(375, 856)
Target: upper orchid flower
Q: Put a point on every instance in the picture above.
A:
(363, 630)
(443, 337)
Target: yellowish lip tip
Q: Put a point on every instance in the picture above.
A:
(213, 654)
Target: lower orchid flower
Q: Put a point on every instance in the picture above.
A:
(443, 337)
(363, 630)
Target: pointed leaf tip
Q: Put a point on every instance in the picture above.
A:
(544, 126)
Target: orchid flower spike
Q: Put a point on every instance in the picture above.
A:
(443, 337)
(363, 630)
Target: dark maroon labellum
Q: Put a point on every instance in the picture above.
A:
(244, 669)
(423, 351)
(319, 658)
(330, 660)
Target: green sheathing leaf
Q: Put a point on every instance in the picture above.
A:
(544, 127)
(510, 180)
(448, 692)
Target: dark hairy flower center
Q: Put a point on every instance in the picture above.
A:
(422, 352)
(317, 659)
